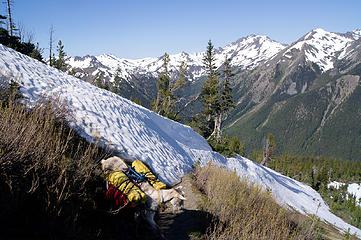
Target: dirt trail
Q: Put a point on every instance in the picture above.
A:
(178, 226)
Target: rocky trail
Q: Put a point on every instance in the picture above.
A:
(187, 223)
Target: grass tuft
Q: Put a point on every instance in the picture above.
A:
(242, 210)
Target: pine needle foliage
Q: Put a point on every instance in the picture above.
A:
(60, 62)
(215, 95)
(210, 91)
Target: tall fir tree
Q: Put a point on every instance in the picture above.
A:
(166, 98)
(115, 87)
(170, 97)
(162, 86)
(210, 91)
(226, 101)
(60, 61)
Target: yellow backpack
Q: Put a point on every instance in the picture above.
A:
(143, 169)
(123, 183)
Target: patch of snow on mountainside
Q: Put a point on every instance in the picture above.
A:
(352, 188)
(356, 34)
(134, 132)
(355, 190)
(321, 47)
(80, 63)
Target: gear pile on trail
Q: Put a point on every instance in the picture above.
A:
(123, 185)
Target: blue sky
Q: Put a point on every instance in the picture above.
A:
(148, 28)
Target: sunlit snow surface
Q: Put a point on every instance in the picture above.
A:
(168, 147)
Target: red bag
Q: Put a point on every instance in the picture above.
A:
(116, 196)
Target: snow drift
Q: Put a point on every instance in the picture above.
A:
(169, 148)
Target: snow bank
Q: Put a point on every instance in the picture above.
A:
(355, 190)
(335, 185)
(170, 149)
(352, 188)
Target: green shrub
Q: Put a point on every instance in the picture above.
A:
(228, 148)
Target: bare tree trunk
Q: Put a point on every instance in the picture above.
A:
(51, 46)
(10, 19)
(157, 103)
(265, 154)
(219, 128)
(168, 105)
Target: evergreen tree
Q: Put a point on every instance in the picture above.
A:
(99, 82)
(236, 146)
(226, 101)
(210, 91)
(162, 86)
(117, 81)
(181, 80)
(36, 53)
(166, 99)
(170, 97)
(60, 61)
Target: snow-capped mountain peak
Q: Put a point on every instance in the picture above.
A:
(320, 47)
(250, 51)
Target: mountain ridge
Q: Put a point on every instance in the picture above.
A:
(301, 99)
(243, 51)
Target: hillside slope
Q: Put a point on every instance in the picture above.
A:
(169, 148)
(308, 96)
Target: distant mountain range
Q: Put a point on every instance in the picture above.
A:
(307, 94)
(140, 75)
(247, 53)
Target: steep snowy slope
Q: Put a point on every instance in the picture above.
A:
(247, 53)
(135, 132)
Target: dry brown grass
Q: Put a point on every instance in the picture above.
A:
(47, 172)
(36, 150)
(242, 210)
